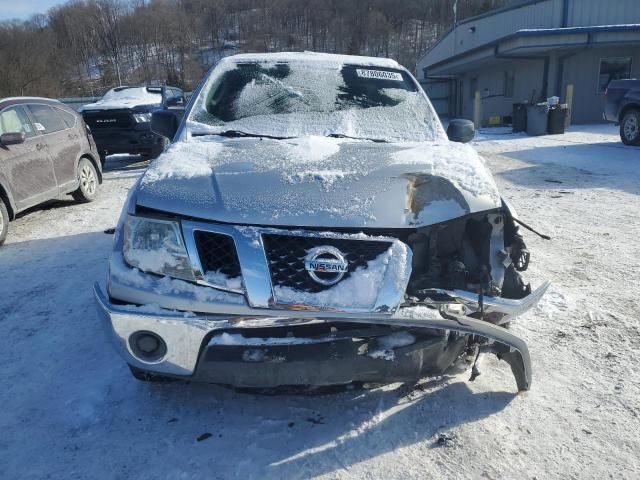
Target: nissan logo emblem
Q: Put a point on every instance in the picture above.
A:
(326, 265)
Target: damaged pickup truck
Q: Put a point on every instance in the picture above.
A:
(313, 225)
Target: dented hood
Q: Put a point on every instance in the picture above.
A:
(318, 182)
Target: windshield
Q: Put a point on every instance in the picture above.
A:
(281, 99)
(144, 95)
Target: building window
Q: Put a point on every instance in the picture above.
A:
(613, 68)
(507, 86)
(473, 87)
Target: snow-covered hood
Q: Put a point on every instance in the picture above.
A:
(318, 182)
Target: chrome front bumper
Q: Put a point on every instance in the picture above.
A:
(185, 334)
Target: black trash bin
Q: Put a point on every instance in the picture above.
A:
(537, 119)
(519, 117)
(557, 119)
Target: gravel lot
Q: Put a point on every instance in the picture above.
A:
(72, 410)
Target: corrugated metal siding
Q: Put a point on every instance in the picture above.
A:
(540, 15)
(544, 14)
(584, 13)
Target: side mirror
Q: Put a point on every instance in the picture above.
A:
(173, 102)
(12, 138)
(164, 123)
(461, 130)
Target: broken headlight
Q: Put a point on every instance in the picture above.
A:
(156, 246)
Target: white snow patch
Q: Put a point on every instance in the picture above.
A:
(127, 98)
(170, 286)
(312, 148)
(220, 279)
(388, 343)
(152, 260)
(422, 312)
(184, 160)
(325, 177)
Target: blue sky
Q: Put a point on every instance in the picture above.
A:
(23, 9)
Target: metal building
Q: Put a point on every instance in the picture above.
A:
(532, 50)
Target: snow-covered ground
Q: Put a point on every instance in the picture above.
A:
(70, 408)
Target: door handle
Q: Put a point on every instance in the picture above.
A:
(39, 146)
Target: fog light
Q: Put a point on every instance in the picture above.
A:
(147, 346)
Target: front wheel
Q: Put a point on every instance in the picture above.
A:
(4, 221)
(88, 182)
(630, 128)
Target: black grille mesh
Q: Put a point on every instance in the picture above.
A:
(286, 254)
(217, 253)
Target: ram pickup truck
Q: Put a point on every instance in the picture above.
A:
(622, 106)
(313, 225)
(120, 121)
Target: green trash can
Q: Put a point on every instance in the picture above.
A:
(557, 119)
(537, 119)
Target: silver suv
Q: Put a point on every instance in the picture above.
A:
(313, 225)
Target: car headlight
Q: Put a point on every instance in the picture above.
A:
(156, 246)
(142, 117)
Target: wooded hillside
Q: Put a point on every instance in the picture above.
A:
(84, 47)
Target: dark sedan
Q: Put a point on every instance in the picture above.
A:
(46, 150)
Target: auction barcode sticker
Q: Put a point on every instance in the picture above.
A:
(379, 74)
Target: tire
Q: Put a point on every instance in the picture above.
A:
(144, 376)
(4, 221)
(88, 180)
(630, 128)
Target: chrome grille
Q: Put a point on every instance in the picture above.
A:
(286, 254)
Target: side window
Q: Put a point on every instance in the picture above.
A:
(615, 68)
(47, 120)
(68, 118)
(14, 119)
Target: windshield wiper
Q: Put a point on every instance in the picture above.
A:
(237, 134)
(341, 135)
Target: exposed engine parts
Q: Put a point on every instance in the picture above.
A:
(477, 253)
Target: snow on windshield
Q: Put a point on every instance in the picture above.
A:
(298, 98)
(133, 94)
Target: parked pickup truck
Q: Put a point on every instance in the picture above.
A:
(314, 225)
(120, 121)
(623, 106)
